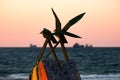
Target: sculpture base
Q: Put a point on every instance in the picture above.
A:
(66, 70)
(51, 70)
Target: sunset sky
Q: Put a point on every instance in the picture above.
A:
(21, 21)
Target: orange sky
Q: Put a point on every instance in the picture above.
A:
(21, 21)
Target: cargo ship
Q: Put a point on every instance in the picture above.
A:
(33, 46)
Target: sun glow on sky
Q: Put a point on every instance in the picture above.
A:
(21, 21)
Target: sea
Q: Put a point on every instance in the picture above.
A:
(97, 63)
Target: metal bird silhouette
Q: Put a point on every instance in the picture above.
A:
(50, 37)
(61, 32)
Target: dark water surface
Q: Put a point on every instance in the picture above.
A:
(93, 63)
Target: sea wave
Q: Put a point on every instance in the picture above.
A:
(101, 77)
(19, 76)
(24, 76)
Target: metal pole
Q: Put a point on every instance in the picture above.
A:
(64, 51)
(42, 51)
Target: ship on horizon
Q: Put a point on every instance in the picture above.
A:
(77, 45)
(33, 46)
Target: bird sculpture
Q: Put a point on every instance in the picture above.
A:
(56, 70)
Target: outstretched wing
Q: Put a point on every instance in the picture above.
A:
(57, 21)
(71, 35)
(58, 28)
(72, 21)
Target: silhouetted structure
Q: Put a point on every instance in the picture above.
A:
(33, 46)
(57, 69)
(76, 45)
